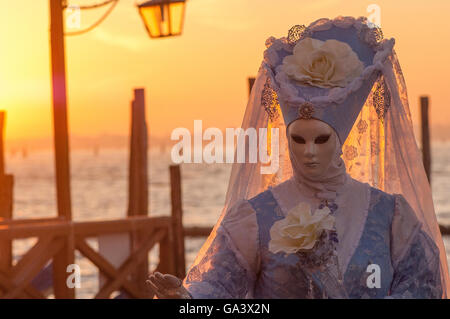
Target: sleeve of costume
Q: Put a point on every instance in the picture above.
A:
(229, 266)
(415, 256)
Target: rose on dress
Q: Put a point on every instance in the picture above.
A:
(325, 64)
(300, 229)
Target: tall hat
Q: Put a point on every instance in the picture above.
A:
(325, 71)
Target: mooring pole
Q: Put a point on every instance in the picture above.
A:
(251, 81)
(138, 177)
(177, 220)
(426, 152)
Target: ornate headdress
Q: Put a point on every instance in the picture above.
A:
(343, 73)
(324, 73)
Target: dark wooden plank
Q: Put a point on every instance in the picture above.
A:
(27, 272)
(138, 177)
(177, 221)
(6, 200)
(6, 211)
(34, 230)
(445, 229)
(92, 229)
(132, 262)
(2, 148)
(197, 231)
(63, 258)
(251, 82)
(6, 284)
(426, 151)
(32, 254)
(166, 254)
(138, 166)
(29, 221)
(106, 268)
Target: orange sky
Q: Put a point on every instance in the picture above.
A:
(200, 75)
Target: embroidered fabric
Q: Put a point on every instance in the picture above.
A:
(391, 237)
(417, 275)
(350, 215)
(283, 276)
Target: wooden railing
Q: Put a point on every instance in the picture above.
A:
(57, 236)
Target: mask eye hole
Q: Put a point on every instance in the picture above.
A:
(322, 139)
(298, 139)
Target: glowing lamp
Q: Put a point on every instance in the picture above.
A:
(162, 18)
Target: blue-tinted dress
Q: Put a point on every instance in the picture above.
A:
(238, 263)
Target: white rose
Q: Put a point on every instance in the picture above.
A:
(300, 230)
(324, 64)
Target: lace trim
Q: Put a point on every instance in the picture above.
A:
(269, 100)
(381, 99)
(337, 95)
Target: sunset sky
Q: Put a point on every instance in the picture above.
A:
(199, 75)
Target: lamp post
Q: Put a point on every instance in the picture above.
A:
(162, 18)
(61, 141)
(60, 129)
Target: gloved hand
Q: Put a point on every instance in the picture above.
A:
(167, 286)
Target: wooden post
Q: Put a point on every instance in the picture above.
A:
(2, 148)
(6, 202)
(177, 221)
(116, 248)
(445, 230)
(251, 81)
(61, 140)
(166, 256)
(138, 177)
(426, 152)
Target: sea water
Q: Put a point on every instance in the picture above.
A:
(99, 188)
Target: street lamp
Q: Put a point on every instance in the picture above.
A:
(162, 18)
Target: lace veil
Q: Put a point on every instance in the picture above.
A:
(380, 148)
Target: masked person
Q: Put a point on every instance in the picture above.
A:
(349, 212)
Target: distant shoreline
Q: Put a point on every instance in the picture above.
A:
(439, 134)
